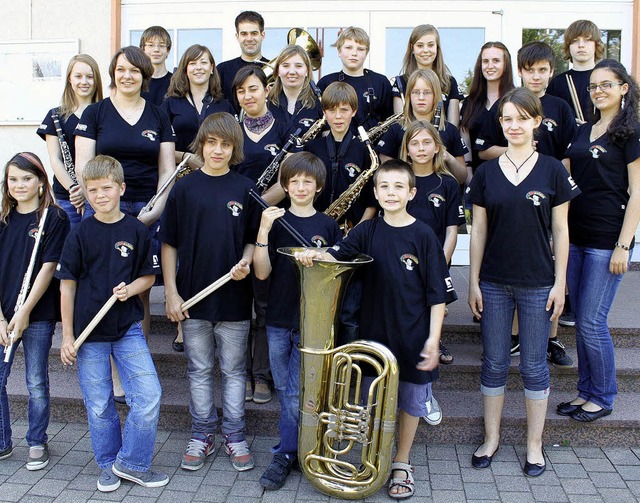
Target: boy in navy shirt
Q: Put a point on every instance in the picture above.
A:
(156, 43)
(302, 176)
(409, 266)
(110, 253)
(375, 98)
(208, 230)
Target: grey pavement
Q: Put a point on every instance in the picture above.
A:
(443, 473)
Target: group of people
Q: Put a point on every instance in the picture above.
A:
(550, 170)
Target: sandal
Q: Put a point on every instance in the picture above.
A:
(445, 356)
(401, 482)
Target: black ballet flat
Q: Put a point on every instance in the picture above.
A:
(178, 347)
(480, 462)
(534, 469)
(584, 416)
(567, 408)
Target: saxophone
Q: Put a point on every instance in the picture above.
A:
(377, 131)
(345, 443)
(313, 131)
(341, 205)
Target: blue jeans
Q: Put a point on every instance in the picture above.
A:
(71, 211)
(592, 289)
(499, 303)
(134, 448)
(284, 356)
(201, 339)
(36, 342)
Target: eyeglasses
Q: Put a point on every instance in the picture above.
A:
(418, 94)
(155, 46)
(603, 86)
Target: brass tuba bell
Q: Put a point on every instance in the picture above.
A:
(345, 443)
(298, 36)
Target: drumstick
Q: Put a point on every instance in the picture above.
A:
(92, 324)
(574, 98)
(205, 292)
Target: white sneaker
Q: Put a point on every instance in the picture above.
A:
(434, 413)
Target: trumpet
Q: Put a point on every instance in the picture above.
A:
(181, 170)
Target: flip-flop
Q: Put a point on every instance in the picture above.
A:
(401, 482)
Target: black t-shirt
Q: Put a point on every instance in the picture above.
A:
(437, 203)
(209, 220)
(558, 87)
(517, 251)
(186, 120)
(302, 118)
(258, 155)
(227, 71)
(68, 127)
(600, 170)
(453, 94)
(391, 141)
(157, 89)
(99, 256)
(482, 132)
(375, 100)
(283, 306)
(407, 276)
(352, 158)
(17, 239)
(137, 147)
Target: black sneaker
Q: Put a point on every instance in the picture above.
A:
(5, 453)
(566, 319)
(276, 473)
(515, 345)
(557, 355)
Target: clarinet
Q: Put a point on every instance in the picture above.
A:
(64, 148)
(272, 168)
(437, 116)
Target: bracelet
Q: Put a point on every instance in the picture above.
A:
(620, 245)
(261, 245)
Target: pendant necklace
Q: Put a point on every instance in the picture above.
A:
(518, 168)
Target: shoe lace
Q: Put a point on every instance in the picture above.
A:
(558, 346)
(238, 448)
(196, 447)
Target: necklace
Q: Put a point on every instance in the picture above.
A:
(257, 125)
(132, 111)
(518, 168)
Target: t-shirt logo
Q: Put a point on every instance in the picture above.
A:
(369, 94)
(572, 182)
(461, 211)
(42, 126)
(448, 283)
(550, 124)
(81, 127)
(33, 233)
(124, 248)
(235, 208)
(535, 197)
(436, 199)
(150, 134)
(319, 241)
(306, 122)
(156, 262)
(409, 261)
(273, 148)
(597, 151)
(352, 169)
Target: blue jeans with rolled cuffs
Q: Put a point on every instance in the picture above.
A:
(499, 302)
(134, 448)
(202, 340)
(36, 343)
(592, 289)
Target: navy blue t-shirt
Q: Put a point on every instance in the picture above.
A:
(558, 87)
(283, 306)
(137, 147)
(453, 94)
(68, 127)
(437, 203)
(518, 251)
(99, 256)
(227, 71)
(407, 276)
(209, 220)
(375, 99)
(600, 170)
(391, 141)
(17, 239)
(186, 120)
(302, 118)
(258, 155)
(486, 132)
(157, 89)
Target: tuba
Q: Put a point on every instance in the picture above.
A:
(345, 444)
(298, 36)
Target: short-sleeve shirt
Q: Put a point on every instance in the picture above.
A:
(68, 126)
(375, 100)
(258, 155)
(302, 118)
(482, 132)
(453, 94)
(209, 220)
(17, 239)
(517, 250)
(391, 141)
(283, 305)
(600, 169)
(558, 87)
(99, 256)
(557, 129)
(157, 89)
(227, 71)
(437, 203)
(186, 120)
(408, 275)
(137, 147)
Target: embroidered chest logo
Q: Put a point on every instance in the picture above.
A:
(597, 151)
(235, 208)
(369, 94)
(124, 248)
(352, 169)
(306, 122)
(150, 134)
(550, 124)
(33, 233)
(273, 148)
(436, 199)
(319, 241)
(409, 261)
(535, 197)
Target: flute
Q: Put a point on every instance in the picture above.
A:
(152, 202)
(94, 322)
(288, 227)
(26, 282)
